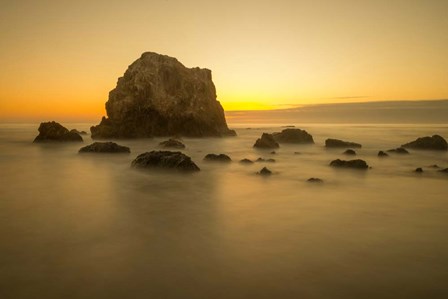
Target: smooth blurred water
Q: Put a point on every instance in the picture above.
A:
(89, 226)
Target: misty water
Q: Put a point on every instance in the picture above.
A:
(89, 226)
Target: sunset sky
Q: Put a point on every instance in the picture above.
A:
(61, 58)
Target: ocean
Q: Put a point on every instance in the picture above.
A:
(90, 226)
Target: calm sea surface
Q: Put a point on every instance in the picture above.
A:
(89, 226)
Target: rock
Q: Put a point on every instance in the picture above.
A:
(265, 160)
(293, 136)
(158, 96)
(340, 143)
(399, 150)
(217, 158)
(382, 154)
(434, 166)
(297, 153)
(444, 170)
(419, 170)
(55, 132)
(315, 180)
(358, 164)
(435, 142)
(350, 152)
(78, 132)
(266, 141)
(172, 143)
(246, 161)
(165, 159)
(265, 172)
(105, 147)
(273, 153)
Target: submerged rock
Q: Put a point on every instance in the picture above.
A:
(358, 164)
(444, 170)
(159, 96)
(419, 170)
(266, 141)
(434, 166)
(105, 147)
(435, 142)
(265, 160)
(340, 143)
(265, 172)
(293, 136)
(172, 143)
(55, 132)
(246, 161)
(382, 154)
(315, 180)
(350, 152)
(217, 158)
(165, 159)
(399, 150)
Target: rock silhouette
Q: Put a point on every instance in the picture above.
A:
(315, 180)
(293, 136)
(217, 158)
(172, 143)
(382, 154)
(55, 132)
(358, 164)
(399, 150)
(264, 172)
(105, 147)
(266, 141)
(246, 161)
(435, 142)
(350, 152)
(165, 159)
(340, 143)
(159, 96)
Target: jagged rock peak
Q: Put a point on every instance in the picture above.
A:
(159, 96)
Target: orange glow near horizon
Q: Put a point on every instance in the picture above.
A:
(60, 60)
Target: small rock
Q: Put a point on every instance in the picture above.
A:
(246, 161)
(265, 172)
(435, 142)
(382, 154)
(434, 166)
(293, 136)
(217, 158)
(340, 143)
(55, 132)
(165, 159)
(297, 153)
(315, 180)
(358, 164)
(419, 170)
(172, 143)
(105, 147)
(399, 150)
(266, 141)
(350, 152)
(273, 152)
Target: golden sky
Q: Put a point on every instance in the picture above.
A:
(61, 58)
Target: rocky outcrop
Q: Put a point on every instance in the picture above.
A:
(435, 142)
(399, 150)
(165, 159)
(266, 141)
(293, 136)
(382, 154)
(246, 161)
(340, 143)
(105, 147)
(217, 158)
(350, 152)
(172, 143)
(55, 132)
(158, 96)
(357, 164)
(264, 172)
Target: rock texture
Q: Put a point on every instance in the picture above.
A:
(435, 142)
(293, 136)
(172, 143)
(340, 143)
(358, 164)
(165, 159)
(55, 132)
(217, 158)
(105, 147)
(158, 96)
(266, 141)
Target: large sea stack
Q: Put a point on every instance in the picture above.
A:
(159, 96)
